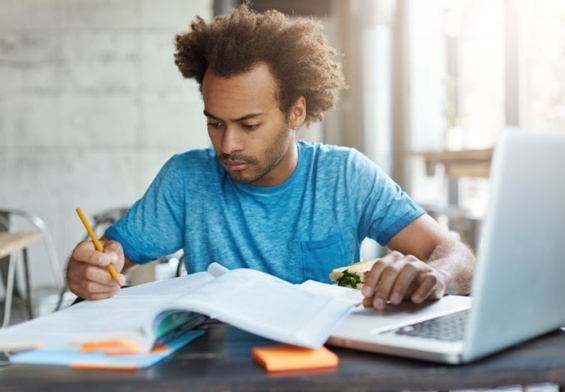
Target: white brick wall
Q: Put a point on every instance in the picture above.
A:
(91, 106)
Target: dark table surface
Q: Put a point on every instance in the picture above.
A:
(221, 360)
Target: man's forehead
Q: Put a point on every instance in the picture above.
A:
(248, 94)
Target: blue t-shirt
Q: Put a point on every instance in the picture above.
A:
(298, 230)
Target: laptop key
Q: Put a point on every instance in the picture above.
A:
(450, 327)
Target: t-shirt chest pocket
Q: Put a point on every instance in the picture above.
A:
(320, 257)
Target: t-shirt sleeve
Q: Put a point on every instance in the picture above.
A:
(384, 208)
(153, 226)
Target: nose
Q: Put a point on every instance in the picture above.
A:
(231, 142)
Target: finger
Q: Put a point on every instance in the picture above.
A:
(85, 252)
(90, 282)
(367, 302)
(429, 288)
(385, 285)
(92, 278)
(116, 252)
(372, 277)
(406, 281)
(380, 281)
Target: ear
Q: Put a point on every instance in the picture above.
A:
(297, 113)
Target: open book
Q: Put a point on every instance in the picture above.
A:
(158, 317)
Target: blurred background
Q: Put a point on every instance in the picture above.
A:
(92, 105)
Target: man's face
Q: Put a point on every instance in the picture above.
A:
(251, 136)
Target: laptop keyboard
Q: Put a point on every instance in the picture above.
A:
(450, 327)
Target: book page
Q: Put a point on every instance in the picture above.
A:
(116, 318)
(353, 296)
(123, 316)
(268, 306)
(174, 286)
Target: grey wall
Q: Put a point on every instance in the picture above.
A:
(91, 106)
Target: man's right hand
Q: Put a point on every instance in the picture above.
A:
(87, 270)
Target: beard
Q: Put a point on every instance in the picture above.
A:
(259, 167)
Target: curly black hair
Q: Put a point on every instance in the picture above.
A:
(296, 50)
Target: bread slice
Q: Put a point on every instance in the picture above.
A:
(357, 269)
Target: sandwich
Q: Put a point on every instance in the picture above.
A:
(352, 275)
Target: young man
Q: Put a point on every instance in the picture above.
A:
(261, 199)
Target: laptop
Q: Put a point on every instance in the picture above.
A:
(518, 289)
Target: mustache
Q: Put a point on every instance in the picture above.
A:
(240, 158)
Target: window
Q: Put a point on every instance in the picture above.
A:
(542, 64)
(475, 66)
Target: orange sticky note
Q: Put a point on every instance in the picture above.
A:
(111, 347)
(288, 358)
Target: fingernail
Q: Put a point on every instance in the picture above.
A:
(395, 298)
(379, 303)
(366, 291)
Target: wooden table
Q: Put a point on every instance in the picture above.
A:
(457, 165)
(220, 360)
(11, 243)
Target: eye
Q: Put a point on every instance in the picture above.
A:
(215, 124)
(250, 127)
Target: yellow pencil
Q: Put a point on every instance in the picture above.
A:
(97, 243)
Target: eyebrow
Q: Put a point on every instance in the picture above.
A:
(242, 118)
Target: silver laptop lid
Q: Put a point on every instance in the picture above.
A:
(519, 282)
